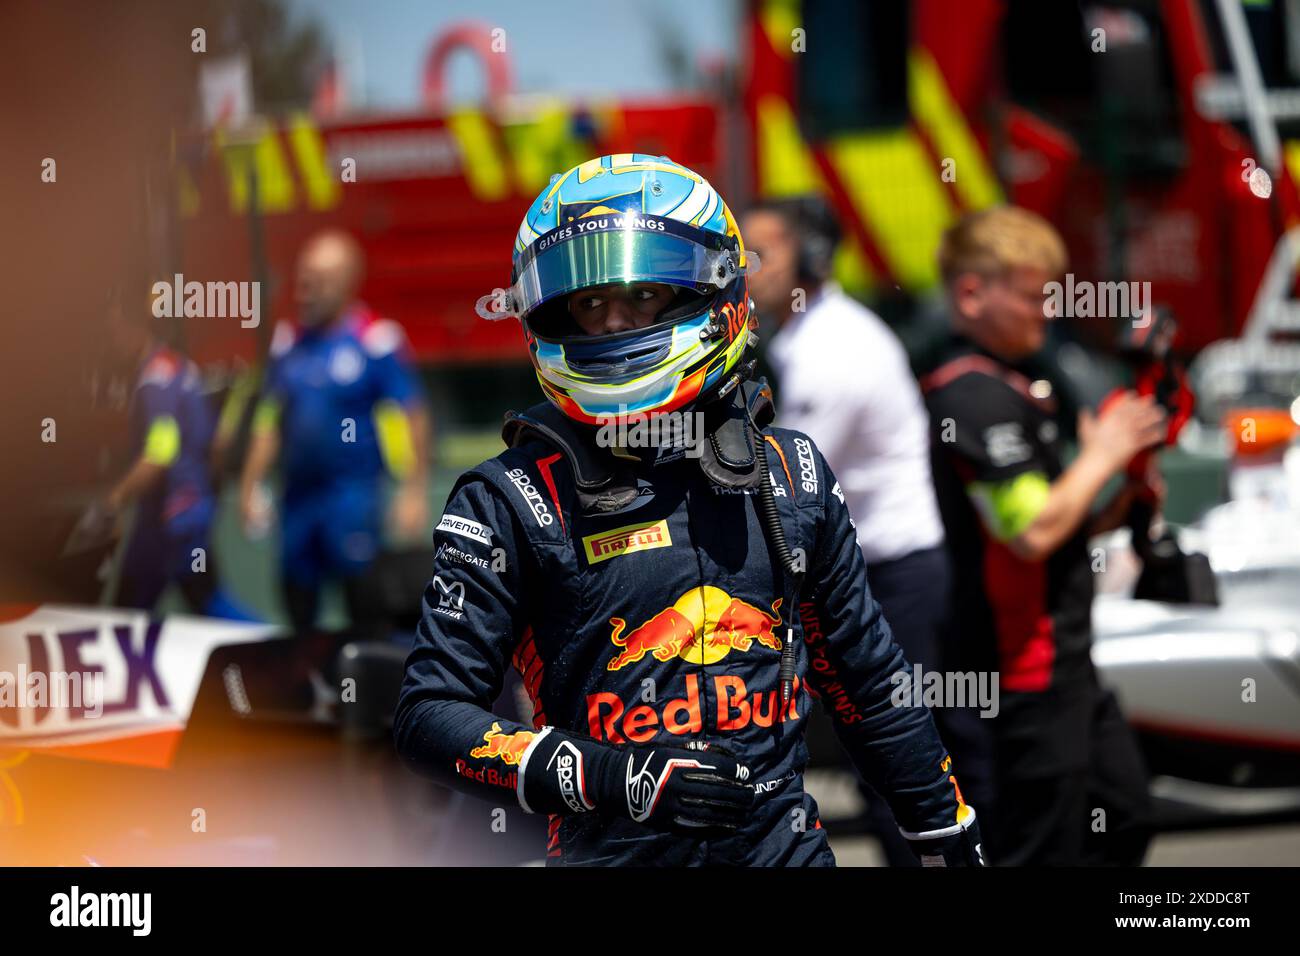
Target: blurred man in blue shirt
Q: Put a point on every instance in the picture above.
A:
(340, 407)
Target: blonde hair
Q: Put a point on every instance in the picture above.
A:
(993, 241)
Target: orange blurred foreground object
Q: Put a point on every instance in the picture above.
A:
(1259, 431)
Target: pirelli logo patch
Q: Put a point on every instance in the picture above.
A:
(620, 541)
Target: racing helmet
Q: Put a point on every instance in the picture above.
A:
(630, 217)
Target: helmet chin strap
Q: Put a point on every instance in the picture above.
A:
(606, 479)
(738, 408)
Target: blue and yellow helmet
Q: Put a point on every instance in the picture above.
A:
(630, 217)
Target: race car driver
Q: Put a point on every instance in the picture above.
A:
(671, 594)
(1070, 782)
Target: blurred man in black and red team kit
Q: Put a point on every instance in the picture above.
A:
(1071, 785)
(670, 575)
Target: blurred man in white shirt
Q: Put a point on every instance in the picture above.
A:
(843, 378)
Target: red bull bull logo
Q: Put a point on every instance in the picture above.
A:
(508, 748)
(703, 626)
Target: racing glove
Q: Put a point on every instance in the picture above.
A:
(697, 790)
(957, 845)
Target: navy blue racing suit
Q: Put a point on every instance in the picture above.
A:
(662, 622)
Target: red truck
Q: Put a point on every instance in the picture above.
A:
(1125, 123)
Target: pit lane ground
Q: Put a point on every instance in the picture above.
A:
(1270, 845)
